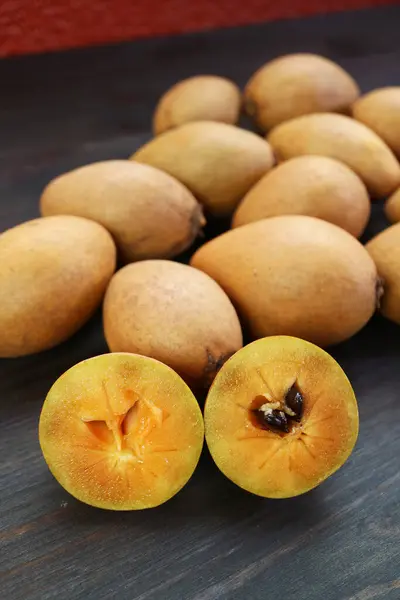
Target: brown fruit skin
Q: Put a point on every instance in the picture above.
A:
(149, 213)
(295, 85)
(294, 275)
(392, 207)
(380, 110)
(267, 463)
(219, 163)
(316, 186)
(385, 251)
(346, 140)
(53, 275)
(175, 314)
(199, 98)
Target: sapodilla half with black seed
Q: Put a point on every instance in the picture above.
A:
(280, 417)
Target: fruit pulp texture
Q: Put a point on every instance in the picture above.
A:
(315, 425)
(121, 431)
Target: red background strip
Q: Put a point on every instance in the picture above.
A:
(28, 26)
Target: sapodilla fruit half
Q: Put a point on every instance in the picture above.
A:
(121, 432)
(281, 417)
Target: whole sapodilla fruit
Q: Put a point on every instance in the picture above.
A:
(346, 140)
(149, 213)
(217, 162)
(199, 98)
(392, 207)
(385, 251)
(173, 313)
(53, 275)
(316, 186)
(121, 432)
(294, 275)
(281, 417)
(380, 110)
(295, 85)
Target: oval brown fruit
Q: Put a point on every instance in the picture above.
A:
(199, 98)
(294, 275)
(295, 85)
(346, 140)
(385, 250)
(149, 213)
(53, 275)
(380, 110)
(316, 186)
(281, 417)
(392, 207)
(218, 162)
(174, 313)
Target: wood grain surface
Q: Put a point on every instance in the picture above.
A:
(339, 542)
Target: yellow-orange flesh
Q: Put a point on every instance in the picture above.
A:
(121, 432)
(262, 459)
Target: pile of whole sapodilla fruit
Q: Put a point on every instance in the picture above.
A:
(124, 430)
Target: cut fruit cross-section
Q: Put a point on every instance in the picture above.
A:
(121, 431)
(281, 417)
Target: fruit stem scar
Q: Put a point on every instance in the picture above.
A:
(379, 291)
(214, 364)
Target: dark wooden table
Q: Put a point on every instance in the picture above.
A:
(341, 541)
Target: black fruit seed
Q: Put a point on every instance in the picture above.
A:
(274, 418)
(294, 401)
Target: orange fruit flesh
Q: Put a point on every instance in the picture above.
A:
(121, 432)
(268, 462)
